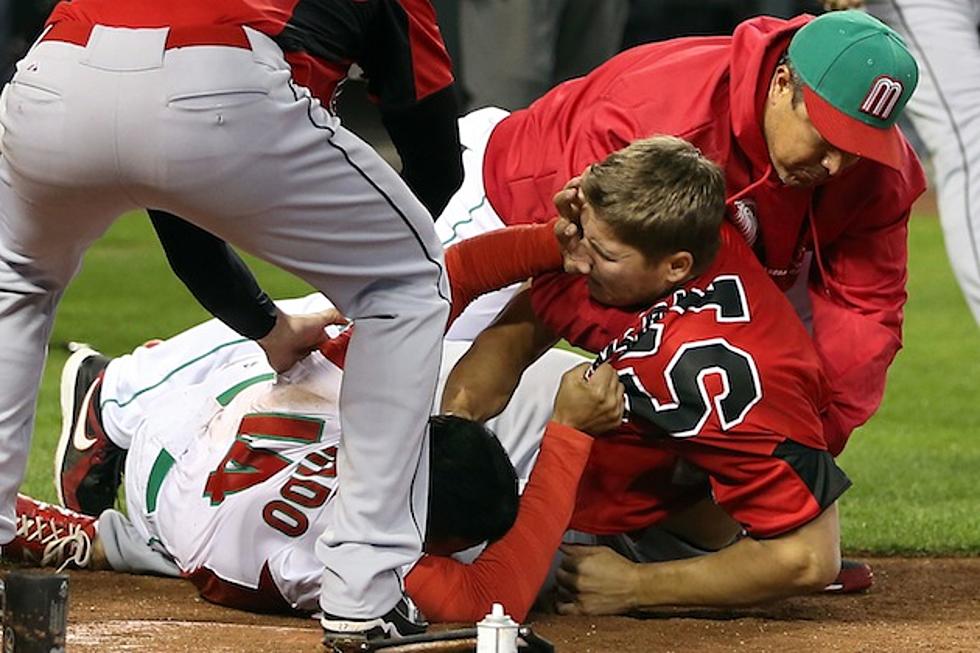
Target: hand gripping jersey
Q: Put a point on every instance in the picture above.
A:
(232, 472)
(724, 392)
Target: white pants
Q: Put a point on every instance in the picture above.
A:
(222, 137)
(189, 370)
(469, 214)
(945, 109)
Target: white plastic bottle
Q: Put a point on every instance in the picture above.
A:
(497, 633)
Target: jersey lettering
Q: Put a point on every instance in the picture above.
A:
(247, 464)
(285, 518)
(690, 404)
(725, 295)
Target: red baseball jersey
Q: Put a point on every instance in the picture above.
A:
(711, 91)
(396, 42)
(724, 391)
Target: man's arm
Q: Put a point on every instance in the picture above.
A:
(224, 285)
(427, 139)
(595, 580)
(410, 75)
(512, 569)
(481, 264)
(857, 322)
(484, 379)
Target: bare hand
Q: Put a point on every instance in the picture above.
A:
(294, 336)
(568, 230)
(594, 580)
(834, 5)
(593, 405)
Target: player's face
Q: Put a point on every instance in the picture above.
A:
(799, 154)
(618, 273)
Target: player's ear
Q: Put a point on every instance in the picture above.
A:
(782, 81)
(679, 266)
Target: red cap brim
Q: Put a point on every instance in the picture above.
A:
(853, 136)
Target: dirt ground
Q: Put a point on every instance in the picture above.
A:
(915, 605)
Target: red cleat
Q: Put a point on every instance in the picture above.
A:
(854, 577)
(50, 536)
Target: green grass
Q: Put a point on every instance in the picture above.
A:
(915, 466)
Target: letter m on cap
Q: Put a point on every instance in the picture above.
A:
(882, 97)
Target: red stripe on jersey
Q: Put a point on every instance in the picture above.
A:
(431, 66)
(335, 349)
(267, 16)
(276, 426)
(265, 598)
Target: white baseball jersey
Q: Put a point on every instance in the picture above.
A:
(233, 472)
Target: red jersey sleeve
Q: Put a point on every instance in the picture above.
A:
(768, 494)
(497, 259)
(479, 265)
(511, 570)
(407, 60)
(857, 321)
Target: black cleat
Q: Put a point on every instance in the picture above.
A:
(342, 635)
(88, 465)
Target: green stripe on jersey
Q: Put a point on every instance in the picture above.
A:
(225, 397)
(161, 466)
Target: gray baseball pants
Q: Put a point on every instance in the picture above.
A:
(223, 137)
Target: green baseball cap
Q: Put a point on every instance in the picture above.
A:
(857, 75)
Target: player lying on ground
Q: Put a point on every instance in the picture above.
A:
(230, 475)
(164, 405)
(724, 394)
(528, 568)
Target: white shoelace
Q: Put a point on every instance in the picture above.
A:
(61, 546)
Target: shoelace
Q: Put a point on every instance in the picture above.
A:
(60, 548)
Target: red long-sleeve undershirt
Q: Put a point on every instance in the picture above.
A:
(511, 570)
(482, 264)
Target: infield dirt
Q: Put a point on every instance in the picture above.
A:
(917, 604)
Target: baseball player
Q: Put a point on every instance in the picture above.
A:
(724, 394)
(272, 444)
(219, 113)
(231, 474)
(943, 37)
(800, 115)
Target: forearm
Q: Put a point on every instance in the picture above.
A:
(484, 379)
(427, 139)
(747, 572)
(511, 570)
(215, 275)
(498, 259)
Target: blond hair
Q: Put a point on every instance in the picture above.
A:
(661, 196)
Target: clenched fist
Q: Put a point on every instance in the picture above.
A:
(593, 405)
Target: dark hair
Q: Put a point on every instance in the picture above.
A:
(660, 195)
(794, 77)
(473, 485)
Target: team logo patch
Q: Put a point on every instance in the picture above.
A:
(745, 220)
(882, 97)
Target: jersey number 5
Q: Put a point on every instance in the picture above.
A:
(690, 403)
